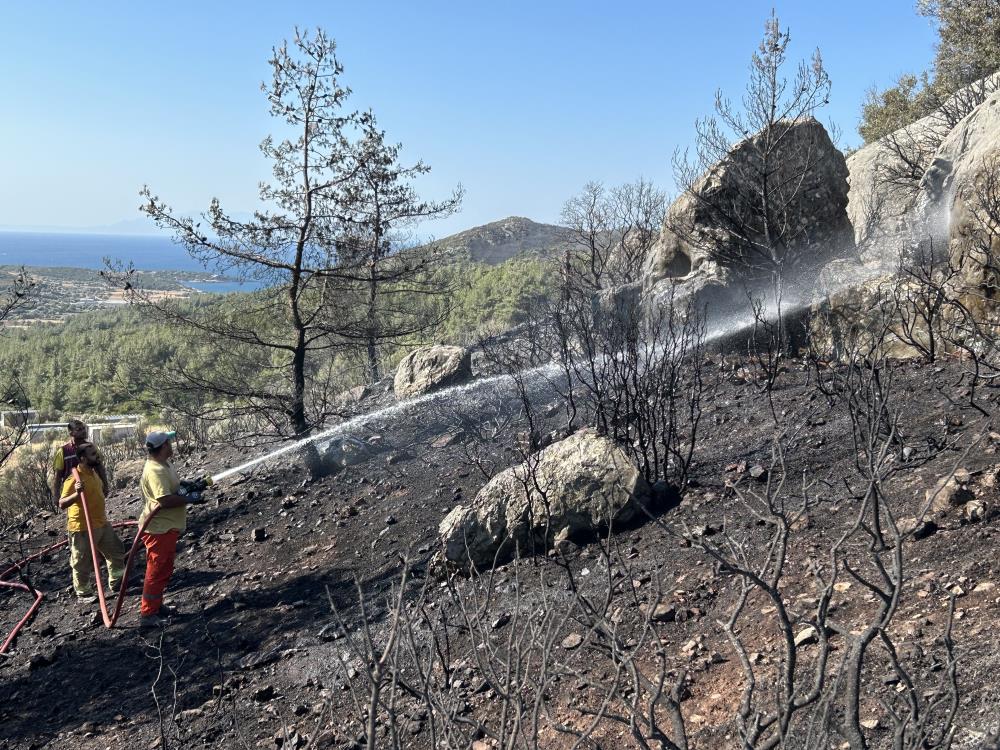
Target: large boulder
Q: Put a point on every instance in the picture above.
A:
(697, 233)
(341, 452)
(577, 485)
(431, 368)
(857, 312)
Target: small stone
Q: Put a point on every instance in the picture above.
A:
(264, 694)
(443, 441)
(572, 641)
(918, 528)
(188, 715)
(951, 491)
(390, 520)
(258, 534)
(662, 612)
(500, 621)
(758, 472)
(807, 636)
(691, 646)
(41, 659)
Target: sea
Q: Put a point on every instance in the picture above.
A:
(145, 252)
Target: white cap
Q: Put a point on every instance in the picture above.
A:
(156, 439)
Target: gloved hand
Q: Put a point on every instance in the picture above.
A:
(193, 491)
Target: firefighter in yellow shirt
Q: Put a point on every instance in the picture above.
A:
(106, 540)
(64, 460)
(160, 486)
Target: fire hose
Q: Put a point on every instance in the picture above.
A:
(191, 490)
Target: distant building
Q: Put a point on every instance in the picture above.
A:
(17, 418)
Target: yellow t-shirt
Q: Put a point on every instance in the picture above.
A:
(160, 480)
(93, 490)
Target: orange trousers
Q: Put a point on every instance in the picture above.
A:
(160, 552)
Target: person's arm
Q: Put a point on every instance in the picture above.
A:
(65, 502)
(68, 500)
(171, 501)
(160, 486)
(57, 465)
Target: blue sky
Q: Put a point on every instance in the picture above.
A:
(521, 102)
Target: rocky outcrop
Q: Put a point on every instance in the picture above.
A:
(916, 195)
(431, 368)
(884, 184)
(902, 185)
(698, 230)
(579, 484)
(960, 204)
(855, 301)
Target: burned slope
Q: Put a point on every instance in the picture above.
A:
(256, 658)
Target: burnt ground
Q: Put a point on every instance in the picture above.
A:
(251, 660)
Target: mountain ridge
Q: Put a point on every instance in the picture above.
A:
(506, 238)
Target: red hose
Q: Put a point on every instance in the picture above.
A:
(24, 587)
(109, 620)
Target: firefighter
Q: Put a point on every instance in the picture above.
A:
(160, 485)
(105, 539)
(64, 459)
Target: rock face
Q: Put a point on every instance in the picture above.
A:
(853, 301)
(921, 187)
(884, 179)
(578, 484)
(694, 225)
(959, 193)
(431, 368)
(904, 184)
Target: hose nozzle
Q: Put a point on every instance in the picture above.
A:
(193, 489)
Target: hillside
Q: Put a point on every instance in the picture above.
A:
(255, 658)
(501, 240)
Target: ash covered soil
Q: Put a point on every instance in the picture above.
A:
(251, 660)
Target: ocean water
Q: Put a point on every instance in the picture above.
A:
(148, 253)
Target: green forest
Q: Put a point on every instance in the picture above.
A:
(107, 360)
